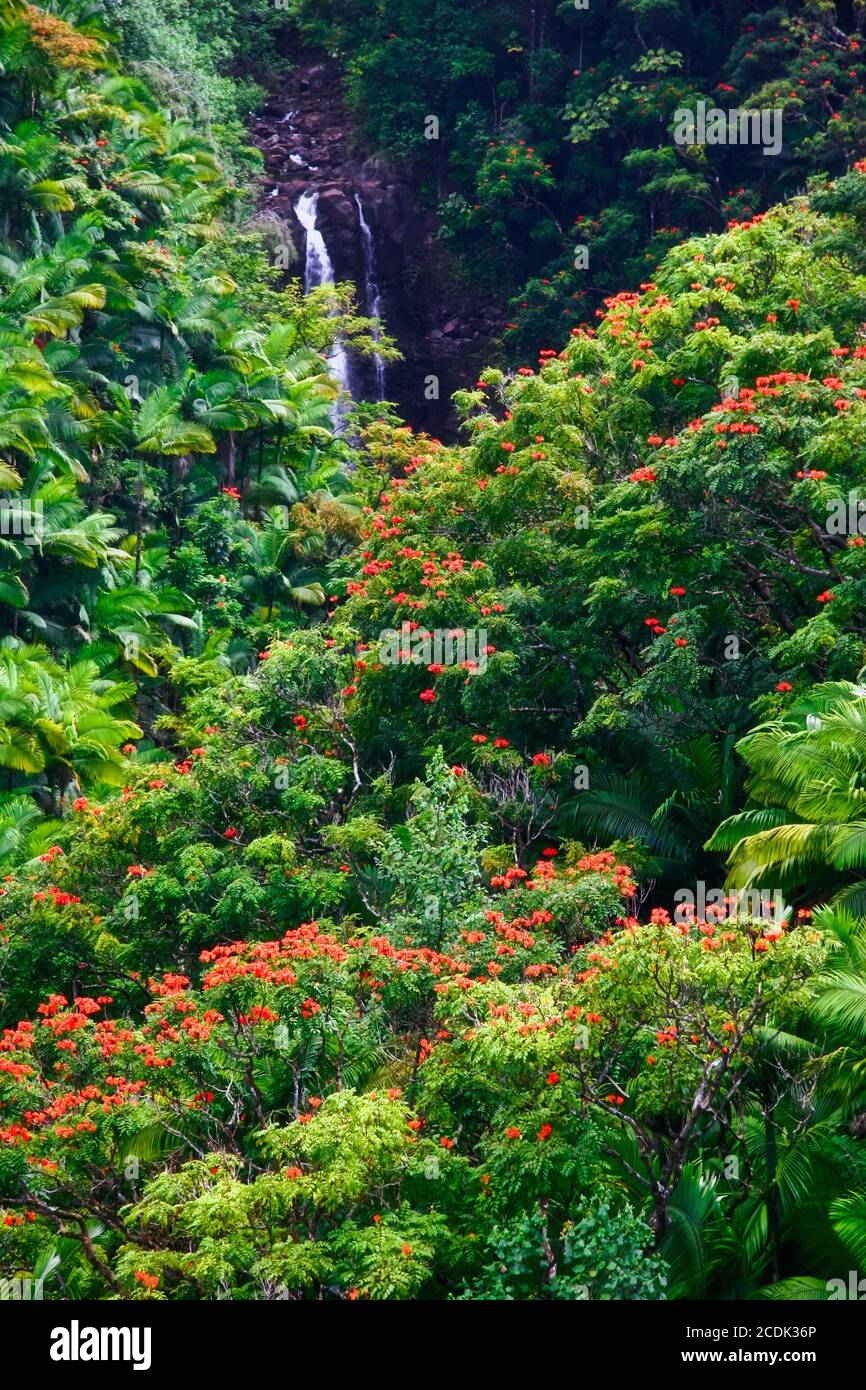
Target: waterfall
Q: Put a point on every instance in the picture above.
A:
(318, 270)
(372, 294)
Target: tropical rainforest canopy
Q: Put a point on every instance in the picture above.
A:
(332, 965)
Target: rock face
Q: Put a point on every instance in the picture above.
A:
(307, 141)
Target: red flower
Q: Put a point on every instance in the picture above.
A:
(553, 1078)
(677, 591)
(300, 721)
(231, 833)
(545, 1132)
(428, 696)
(541, 759)
(136, 871)
(500, 743)
(827, 596)
(784, 687)
(513, 1132)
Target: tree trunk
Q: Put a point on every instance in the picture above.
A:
(139, 520)
(771, 1159)
(227, 454)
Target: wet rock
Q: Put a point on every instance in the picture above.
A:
(438, 332)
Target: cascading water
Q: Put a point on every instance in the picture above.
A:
(372, 294)
(318, 270)
(309, 144)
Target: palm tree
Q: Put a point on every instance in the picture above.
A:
(669, 802)
(133, 617)
(838, 1012)
(161, 430)
(821, 1175)
(61, 722)
(805, 831)
(24, 831)
(27, 157)
(732, 1231)
(272, 557)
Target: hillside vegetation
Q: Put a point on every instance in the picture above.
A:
(431, 872)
